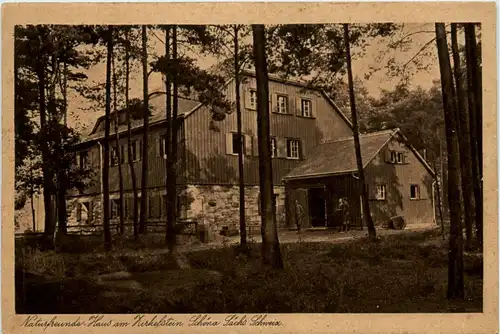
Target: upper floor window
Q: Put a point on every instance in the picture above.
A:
(398, 157)
(252, 99)
(238, 146)
(114, 156)
(293, 149)
(306, 108)
(281, 104)
(274, 148)
(83, 159)
(381, 191)
(414, 191)
(163, 146)
(135, 148)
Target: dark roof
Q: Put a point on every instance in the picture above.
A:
(339, 157)
(157, 104)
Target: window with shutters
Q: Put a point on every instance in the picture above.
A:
(306, 107)
(237, 145)
(414, 191)
(274, 148)
(252, 100)
(114, 156)
(380, 192)
(293, 149)
(281, 104)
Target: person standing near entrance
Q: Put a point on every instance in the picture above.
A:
(299, 214)
(344, 214)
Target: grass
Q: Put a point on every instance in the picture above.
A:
(400, 273)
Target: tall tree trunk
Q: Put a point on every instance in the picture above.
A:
(475, 117)
(32, 199)
(118, 149)
(364, 193)
(464, 141)
(145, 131)
(455, 254)
(237, 80)
(46, 170)
(439, 185)
(105, 171)
(135, 215)
(271, 253)
(170, 205)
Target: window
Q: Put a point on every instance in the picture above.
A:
(83, 159)
(237, 145)
(136, 150)
(397, 157)
(114, 156)
(115, 207)
(414, 191)
(253, 99)
(293, 149)
(381, 192)
(282, 104)
(163, 146)
(274, 148)
(306, 108)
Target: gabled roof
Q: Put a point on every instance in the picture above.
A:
(338, 156)
(188, 105)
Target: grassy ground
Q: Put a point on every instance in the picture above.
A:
(401, 273)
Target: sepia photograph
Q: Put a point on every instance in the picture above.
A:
(237, 169)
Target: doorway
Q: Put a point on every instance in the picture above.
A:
(317, 206)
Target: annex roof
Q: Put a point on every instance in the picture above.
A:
(338, 156)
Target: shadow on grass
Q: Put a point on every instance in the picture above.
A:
(399, 273)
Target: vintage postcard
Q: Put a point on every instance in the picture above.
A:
(249, 167)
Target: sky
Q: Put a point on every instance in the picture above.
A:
(376, 55)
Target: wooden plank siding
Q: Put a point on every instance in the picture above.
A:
(207, 161)
(203, 157)
(398, 178)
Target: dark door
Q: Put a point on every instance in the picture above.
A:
(317, 207)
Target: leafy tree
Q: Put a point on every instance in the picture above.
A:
(270, 243)
(47, 57)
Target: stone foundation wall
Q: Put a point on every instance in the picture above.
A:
(216, 207)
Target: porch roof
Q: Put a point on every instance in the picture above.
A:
(339, 156)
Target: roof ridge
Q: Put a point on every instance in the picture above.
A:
(370, 134)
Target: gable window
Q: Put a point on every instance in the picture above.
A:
(282, 104)
(274, 148)
(114, 156)
(293, 149)
(380, 192)
(237, 145)
(252, 99)
(398, 157)
(306, 108)
(414, 191)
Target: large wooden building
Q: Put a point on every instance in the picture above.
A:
(303, 121)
